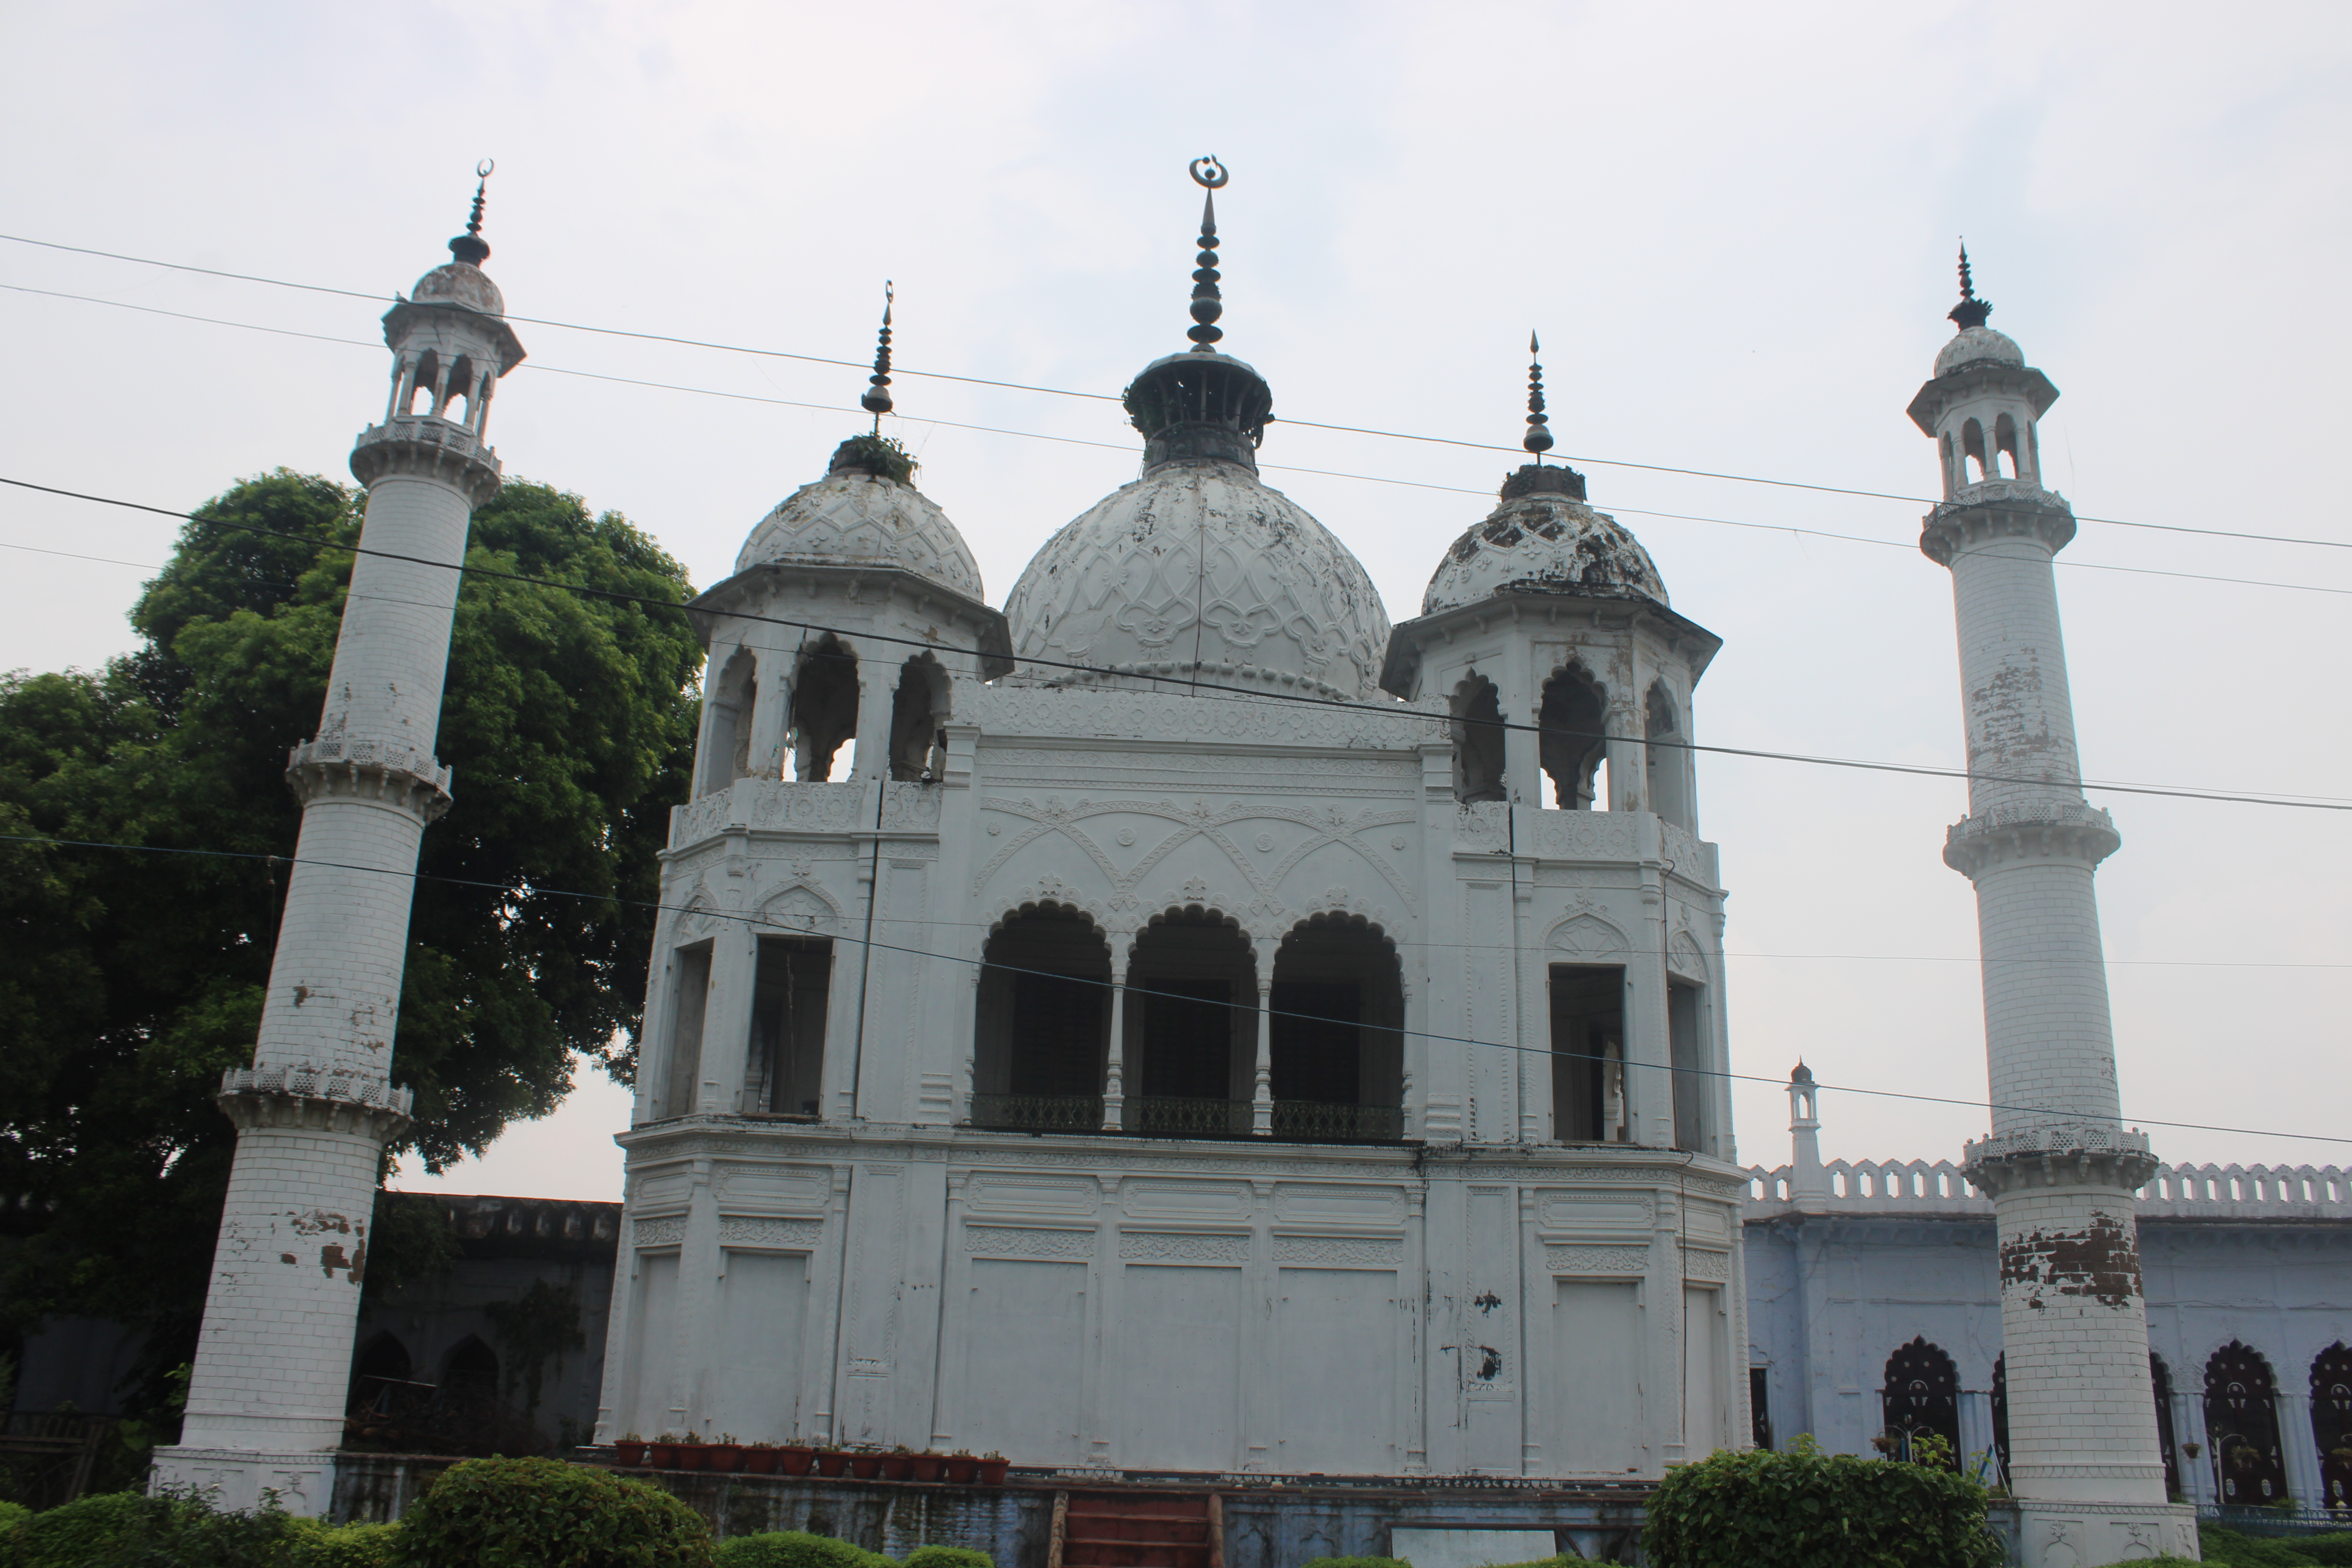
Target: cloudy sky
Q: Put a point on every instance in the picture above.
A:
(1733, 225)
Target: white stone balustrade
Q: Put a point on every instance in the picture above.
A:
(2175, 1191)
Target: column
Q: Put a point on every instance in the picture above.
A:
(1262, 1079)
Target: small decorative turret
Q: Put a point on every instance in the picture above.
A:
(1200, 404)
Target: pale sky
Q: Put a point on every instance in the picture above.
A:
(1733, 225)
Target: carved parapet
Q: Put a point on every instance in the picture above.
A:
(369, 770)
(2061, 1154)
(420, 446)
(315, 1100)
(1996, 509)
(2032, 830)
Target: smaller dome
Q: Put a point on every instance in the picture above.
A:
(456, 283)
(1544, 541)
(1971, 346)
(853, 518)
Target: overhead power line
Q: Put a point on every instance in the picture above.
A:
(875, 945)
(1191, 685)
(1107, 397)
(2065, 563)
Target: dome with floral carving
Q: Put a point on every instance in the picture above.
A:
(859, 516)
(1198, 565)
(1544, 539)
(1973, 346)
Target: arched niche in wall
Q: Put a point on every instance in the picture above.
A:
(2241, 1426)
(1922, 1397)
(824, 707)
(732, 695)
(1666, 766)
(2331, 1423)
(1573, 721)
(1478, 733)
(1043, 1022)
(1336, 1038)
(469, 1372)
(919, 716)
(1191, 1050)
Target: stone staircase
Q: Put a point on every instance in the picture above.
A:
(1138, 1528)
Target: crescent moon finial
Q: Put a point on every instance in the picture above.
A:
(486, 168)
(1209, 175)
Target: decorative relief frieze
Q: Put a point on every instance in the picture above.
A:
(1025, 1241)
(1584, 834)
(1183, 1247)
(1570, 1259)
(1148, 716)
(1701, 1263)
(1340, 1251)
(668, 1231)
(742, 1230)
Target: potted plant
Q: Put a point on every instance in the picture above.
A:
(795, 1458)
(629, 1448)
(689, 1451)
(866, 1464)
(831, 1460)
(725, 1456)
(898, 1463)
(962, 1466)
(759, 1459)
(993, 1466)
(663, 1451)
(926, 1465)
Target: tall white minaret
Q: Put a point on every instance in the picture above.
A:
(2059, 1165)
(317, 1107)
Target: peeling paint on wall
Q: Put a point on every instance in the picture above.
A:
(2101, 1262)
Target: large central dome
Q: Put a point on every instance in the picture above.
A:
(1198, 565)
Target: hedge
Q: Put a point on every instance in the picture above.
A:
(1805, 1508)
(544, 1513)
(797, 1549)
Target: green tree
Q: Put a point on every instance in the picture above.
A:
(128, 982)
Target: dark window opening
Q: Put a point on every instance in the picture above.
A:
(456, 406)
(1187, 1036)
(1191, 1049)
(1690, 1079)
(1335, 1041)
(919, 743)
(1972, 450)
(727, 736)
(2001, 1413)
(470, 1375)
(1759, 1406)
(1044, 1023)
(690, 1001)
(2004, 437)
(1667, 766)
(1315, 1039)
(1477, 741)
(2242, 1422)
(1921, 1399)
(425, 389)
(789, 1003)
(1588, 1043)
(2159, 1379)
(379, 1371)
(825, 708)
(2331, 1423)
(1573, 721)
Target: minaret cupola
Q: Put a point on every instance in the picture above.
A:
(1984, 402)
(450, 337)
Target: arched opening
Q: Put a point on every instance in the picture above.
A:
(1922, 1399)
(425, 385)
(690, 1001)
(2159, 1383)
(1477, 741)
(1573, 721)
(1191, 1026)
(727, 729)
(1972, 450)
(2004, 440)
(1044, 1024)
(459, 402)
(1667, 767)
(1685, 1005)
(790, 1000)
(1952, 478)
(825, 708)
(2331, 1424)
(1588, 1047)
(469, 1372)
(1336, 1037)
(919, 743)
(378, 1373)
(2001, 1413)
(2242, 1424)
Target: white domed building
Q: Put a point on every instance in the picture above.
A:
(1206, 1030)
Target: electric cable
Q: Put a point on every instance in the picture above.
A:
(875, 946)
(1613, 510)
(1230, 693)
(1106, 397)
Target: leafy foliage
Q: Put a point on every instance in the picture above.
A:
(130, 981)
(948, 1557)
(2235, 1549)
(543, 1513)
(797, 1549)
(1356, 1562)
(175, 1528)
(1806, 1509)
(318, 1545)
(884, 456)
(543, 1322)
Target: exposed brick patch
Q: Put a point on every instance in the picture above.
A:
(2101, 1262)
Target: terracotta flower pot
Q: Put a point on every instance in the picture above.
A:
(992, 1471)
(926, 1467)
(962, 1468)
(629, 1453)
(865, 1467)
(664, 1455)
(793, 1460)
(897, 1467)
(760, 1461)
(726, 1458)
(832, 1462)
(689, 1455)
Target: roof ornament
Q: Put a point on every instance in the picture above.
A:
(877, 400)
(1207, 303)
(1970, 311)
(1538, 436)
(470, 247)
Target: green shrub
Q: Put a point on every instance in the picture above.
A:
(178, 1528)
(1358, 1563)
(949, 1557)
(543, 1513)
(1805, 1508)
(798, 1549)
(317, 1545)
(2228, 1548)
(2333, 1550)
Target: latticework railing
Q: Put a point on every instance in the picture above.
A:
(1185, 1117)
(1314, 1118)
(1038, 1112)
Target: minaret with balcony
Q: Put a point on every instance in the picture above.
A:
(316, 1108)
(2060, 1166)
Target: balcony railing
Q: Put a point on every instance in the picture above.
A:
(1038, 1112)
(1170, 1114)
(1308, 1119)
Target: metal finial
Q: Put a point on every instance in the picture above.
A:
(470, 246)
(1538, 436)
(1207, 303)
(877, 400)
(1970, 311)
